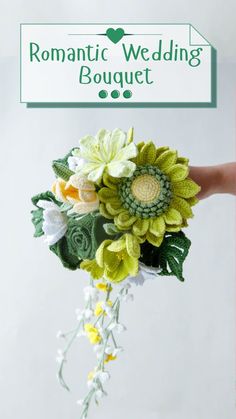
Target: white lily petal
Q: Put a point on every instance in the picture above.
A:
(46, 204)
(127, 153)
(96, 174)
(121, 169)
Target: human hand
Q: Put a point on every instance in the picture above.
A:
(215, 179)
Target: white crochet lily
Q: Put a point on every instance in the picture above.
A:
(54, 222)
(108, 151)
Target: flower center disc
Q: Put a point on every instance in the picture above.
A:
(145, 188)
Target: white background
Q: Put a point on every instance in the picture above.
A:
(180, 345)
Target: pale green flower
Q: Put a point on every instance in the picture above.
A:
(108, 151)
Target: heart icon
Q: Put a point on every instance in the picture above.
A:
(115, 35)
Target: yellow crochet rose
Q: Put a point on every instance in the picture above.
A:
(79, 192)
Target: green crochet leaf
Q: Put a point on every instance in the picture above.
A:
(64, 160)
(170, 256)
(173, 253)
(61, 167)
(37, 215)
(68, 260)
(44, 196)
(61, 170)
(37, 220)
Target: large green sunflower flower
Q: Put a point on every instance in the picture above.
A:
(156, 199)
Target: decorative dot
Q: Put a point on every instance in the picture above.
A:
(102, 94)
(115, 94)
(127, 94)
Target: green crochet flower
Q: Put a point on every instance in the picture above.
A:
(156, 199)
(115, 259)
(84, 235)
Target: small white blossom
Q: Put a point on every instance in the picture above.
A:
(103, 376)
(60, 356)
(108, 350)
(91, 292)
(118, 327)
(127, 297)
(81, 333)
(60, 334)
(88, 313)
(80, 402)
(75, 163)
(79, 314)
(117, 350)
(99, 394)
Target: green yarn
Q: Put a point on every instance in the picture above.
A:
(84, 235)
(61, 170)
(68, 260)
(61, 167)
(142, 209)
(170, 256)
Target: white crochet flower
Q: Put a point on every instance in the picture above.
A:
(108, 151)
(54, 222)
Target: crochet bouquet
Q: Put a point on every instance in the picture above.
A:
(115, 210)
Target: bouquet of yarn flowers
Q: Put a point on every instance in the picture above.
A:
(115, 210)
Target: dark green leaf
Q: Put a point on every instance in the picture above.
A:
(61, 250)
(173, 253)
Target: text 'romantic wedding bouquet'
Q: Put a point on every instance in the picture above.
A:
(115, 210)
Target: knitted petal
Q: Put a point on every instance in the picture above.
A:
(117, 140)
(114, 208)
(157, 226)
(140, 227)
(172, 216)
(124, 220)
(130, 136)
(166, 159)
(154, 240)
(100, 252)
(88, 196)
(117, 245)
(103, 211)
(117, 275)
(186, 189)
(132, 246)
(111, 260)
(182, 206)
(173, 228)
(183, 160)
(107, 195)
(126, 153)
(192, 201)
(178, 172)
(160, 150)
(147, 154)
(109, 181)
(92, 267)
(84, 207)
(81, 182)
(131, 264)
(121, 168)
(96, 174)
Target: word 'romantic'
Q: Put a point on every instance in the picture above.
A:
(130, 52)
